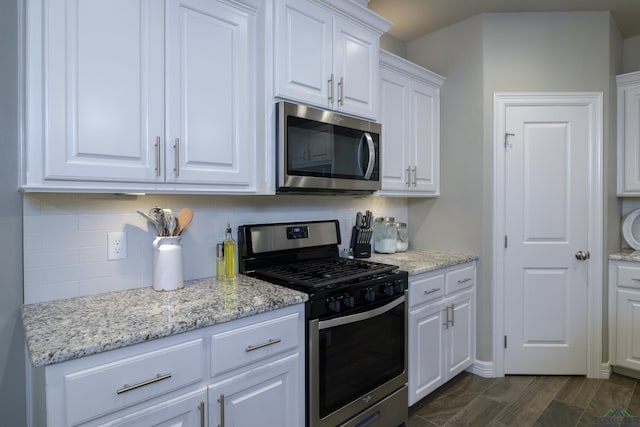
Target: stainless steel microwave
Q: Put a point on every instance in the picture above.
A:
(321, 151)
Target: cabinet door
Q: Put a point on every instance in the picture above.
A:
(394, 98)
(188, 410)
(268, 395)
(628, 329)
(629, 137)
(104, 96)
(211, 93)
(303, 52)
(426, 351)
(425, 138)
(355, 69)
(460, 333)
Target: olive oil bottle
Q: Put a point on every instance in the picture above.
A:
(229, 254)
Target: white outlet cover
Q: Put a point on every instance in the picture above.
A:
(116, 245)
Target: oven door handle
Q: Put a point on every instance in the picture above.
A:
(339, 321)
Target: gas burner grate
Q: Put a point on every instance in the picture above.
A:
(322, 273)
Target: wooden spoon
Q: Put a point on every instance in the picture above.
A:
(184, 219)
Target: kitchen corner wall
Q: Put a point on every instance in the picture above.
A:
(65, 235)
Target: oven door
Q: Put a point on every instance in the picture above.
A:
(356, 361)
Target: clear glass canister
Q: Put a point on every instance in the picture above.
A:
(385, 235)
(402, 244)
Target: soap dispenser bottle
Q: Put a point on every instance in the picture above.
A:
(229, 254)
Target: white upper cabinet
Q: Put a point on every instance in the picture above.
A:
(410, 116)
(95, 102)
(629, 134)
(211, 91)
(126, 95)
(326, 54)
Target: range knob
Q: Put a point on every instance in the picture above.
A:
(388, 289)
(369, 294)
(334, 305)
(348, 301)
(399, 288)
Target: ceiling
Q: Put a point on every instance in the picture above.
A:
(414, 18)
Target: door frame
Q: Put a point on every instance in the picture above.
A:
(594, 101)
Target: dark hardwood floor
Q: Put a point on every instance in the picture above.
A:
(514, 400)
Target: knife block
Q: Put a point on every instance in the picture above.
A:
(362, 249)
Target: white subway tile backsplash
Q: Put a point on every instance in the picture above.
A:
(65, 235)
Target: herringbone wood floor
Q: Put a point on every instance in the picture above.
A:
(558, 401)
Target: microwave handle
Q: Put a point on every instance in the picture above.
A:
(372, 155)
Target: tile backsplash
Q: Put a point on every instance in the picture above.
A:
(65, 235)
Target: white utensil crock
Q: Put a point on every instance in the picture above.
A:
(167, 263)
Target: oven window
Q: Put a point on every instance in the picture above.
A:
(329, 151)
(356, 358)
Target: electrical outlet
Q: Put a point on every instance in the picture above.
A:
(117, 245)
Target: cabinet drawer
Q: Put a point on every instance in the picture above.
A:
(628, 276)
(425, 288)
(461, 278)
(105, 388)
(241, 346)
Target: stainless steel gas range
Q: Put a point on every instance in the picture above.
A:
(356, 329)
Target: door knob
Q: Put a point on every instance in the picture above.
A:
(582, 255)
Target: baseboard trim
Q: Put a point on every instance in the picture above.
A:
(482, 369)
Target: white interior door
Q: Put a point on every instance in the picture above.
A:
(547, 167)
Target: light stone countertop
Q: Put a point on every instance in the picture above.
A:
(61, 330)
(625, 255)
(416, 261)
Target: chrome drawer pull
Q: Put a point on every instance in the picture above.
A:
(431, 291)
(264, 344)
(635, 279)
(468, 279)
(158, 377)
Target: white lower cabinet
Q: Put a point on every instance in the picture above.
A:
(624, 314)
(267, 395)
(441, 327)
(182, 411)
(246, 372)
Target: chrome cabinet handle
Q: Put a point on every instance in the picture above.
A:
(408, 180)
(158, 169)
(446, 320)
(201, 408)
(415, 176)
(582, 255)
(461, 281)
(431, 291)
(341, 91)
(264, 344)
(331, 89)
(177, 147)
(635, 279)
(453, 316)
(221, 400)
(125, 388)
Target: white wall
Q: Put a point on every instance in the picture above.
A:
(631, 58)
(65, 235)
(12, 357)
(393, 45)
(505, 52)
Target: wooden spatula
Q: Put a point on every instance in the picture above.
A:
(184, 219)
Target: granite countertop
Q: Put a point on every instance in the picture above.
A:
(625, 255)
(416, 261)
(61, 330)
